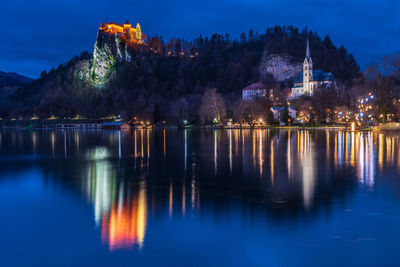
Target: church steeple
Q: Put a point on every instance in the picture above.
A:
(307, 71)
(308, 61)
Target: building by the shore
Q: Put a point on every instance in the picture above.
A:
(255, 91)
(309, 79)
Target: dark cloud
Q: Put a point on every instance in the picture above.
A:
(41, 34)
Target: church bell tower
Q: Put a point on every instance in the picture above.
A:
(307, 72)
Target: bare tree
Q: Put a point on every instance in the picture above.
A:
(393, 63)
(179, 110)
(212, 106)
(379, 83)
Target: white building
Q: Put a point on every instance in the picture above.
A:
(254, 91)
(278, 112)
(308, 79)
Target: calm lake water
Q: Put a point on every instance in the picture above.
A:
(199, 198)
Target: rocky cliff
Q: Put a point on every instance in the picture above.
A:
(280, 67)
(108, 50)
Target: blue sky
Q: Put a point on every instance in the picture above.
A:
(37, 35)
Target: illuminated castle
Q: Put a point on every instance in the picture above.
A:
(125, 32)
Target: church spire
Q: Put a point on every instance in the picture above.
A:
(308, 56)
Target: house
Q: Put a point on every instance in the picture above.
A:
(254, 91)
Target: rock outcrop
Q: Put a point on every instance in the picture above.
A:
(108, 50)
(82, 71)
(279, 66)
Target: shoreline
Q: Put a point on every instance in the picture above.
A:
(97, 126)
(100, 124)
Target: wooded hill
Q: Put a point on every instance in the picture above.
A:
(162, 84)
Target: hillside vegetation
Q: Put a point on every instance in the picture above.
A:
(166, 80)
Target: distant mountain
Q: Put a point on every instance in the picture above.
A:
(13, 79)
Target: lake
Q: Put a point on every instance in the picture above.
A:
(199, 197)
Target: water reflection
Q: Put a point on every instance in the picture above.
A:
(308, 167)
(131, 177)
(100, 182)
(357, 149)
(125, 224)
(120, 209)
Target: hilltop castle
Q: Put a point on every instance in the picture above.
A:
(114, 43)
(125, 32)
(308, 80)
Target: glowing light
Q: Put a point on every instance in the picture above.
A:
(171, 199)
(52, 117)
(126, 224)
(98, 153)
(125, 32)
(215, 152)
(230, 151)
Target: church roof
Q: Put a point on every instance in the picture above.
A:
(297, 85)
(278, 108)
(255, 86)
(318, 75)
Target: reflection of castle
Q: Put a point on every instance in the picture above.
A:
(126, 32)
(125, 226)
(122, 216)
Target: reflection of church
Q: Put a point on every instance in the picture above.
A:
(308, 80)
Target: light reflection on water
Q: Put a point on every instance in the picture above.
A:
(132, 177)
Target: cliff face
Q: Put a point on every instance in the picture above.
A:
(279, 66)
(108, 50)
(82, 71)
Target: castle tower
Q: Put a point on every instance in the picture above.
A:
(307, 72)
(138, 33)
(127, 30)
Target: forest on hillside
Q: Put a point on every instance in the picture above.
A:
(164, 83)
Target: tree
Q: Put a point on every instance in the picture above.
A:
(212, 106)
(243, 38)
(285, 116)
(249, 111)
(156, 113)
(271, 118)
(251, 36)
(379, 85)
(393, 63)
(180, 110)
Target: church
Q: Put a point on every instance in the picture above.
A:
(308, 80)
